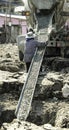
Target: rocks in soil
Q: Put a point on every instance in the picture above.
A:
(65, 90)
(62, 115)
(49, 108)
(24, 125)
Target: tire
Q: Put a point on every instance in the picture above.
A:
(21, 56)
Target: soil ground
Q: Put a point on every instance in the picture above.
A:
(49, 105)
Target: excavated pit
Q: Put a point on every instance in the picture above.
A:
(48, 105)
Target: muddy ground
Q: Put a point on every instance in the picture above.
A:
(50, 107)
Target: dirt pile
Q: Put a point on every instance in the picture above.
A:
(49, 108)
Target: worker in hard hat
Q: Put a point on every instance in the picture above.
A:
(30, 48)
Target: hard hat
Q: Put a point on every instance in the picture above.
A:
(30, 35)
(30, 29)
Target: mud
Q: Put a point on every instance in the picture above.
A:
(48, 105)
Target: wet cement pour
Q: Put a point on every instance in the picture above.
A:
(49, 106)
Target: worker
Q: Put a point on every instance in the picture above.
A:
(30, 48)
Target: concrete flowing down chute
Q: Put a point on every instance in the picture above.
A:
(25, 100)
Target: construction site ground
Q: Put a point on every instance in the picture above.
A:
(49, 109)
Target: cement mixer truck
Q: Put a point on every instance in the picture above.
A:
(44, 16)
